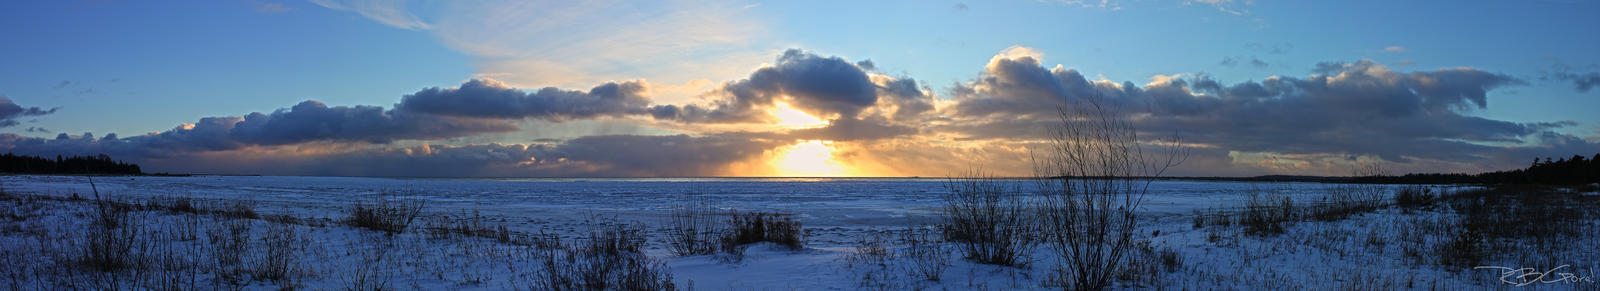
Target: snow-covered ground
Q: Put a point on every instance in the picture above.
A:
(1375, 250)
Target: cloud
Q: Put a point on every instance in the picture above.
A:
(850, 129)
(10, 111)
(910, 101)
(1258, 63)
(1276, 48)
(314, 121)
(823, 85)
(1583, 82)
(1351, 109)
(488, 98)
(1014, 84)
(1102, 4)
(1317, 123)
(307, 122)
(272, 7)
(1394, 49)
(1227, 6)
(1229, 62)
(1255, 62)
(826, 87)
(388, 12)
(591, 156)
(579, 43)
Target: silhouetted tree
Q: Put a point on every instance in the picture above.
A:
(97, 164)
(1563, 171)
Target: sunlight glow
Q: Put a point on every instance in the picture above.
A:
(812, 158)
(791, 118)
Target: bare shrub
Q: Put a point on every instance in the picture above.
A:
(280, 257)
(1212, 217)
(229, 241)
(1345, 200)
(754, 227)
(1148, 264)
(110, 249)
(871, 250)
(375, 270)
(1170, 259)
(470, 225)
(986, 218)
(1462, 249)
(1413, 197)
(1515, 221)
(872, 254)
(178, 204)
(239, 209)
(609, 258)
(1093, 176)
(174, 264)
(929, 258)
(385, 213)
(111, 239)
(187, 228)
(693, 229)
(1264, 215)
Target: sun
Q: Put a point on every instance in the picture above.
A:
(812, 158)
(792, 118)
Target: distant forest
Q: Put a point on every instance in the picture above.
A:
(1565, 171)
(98, 164)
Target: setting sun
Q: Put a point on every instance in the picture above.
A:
(792, 118)
(812, 158)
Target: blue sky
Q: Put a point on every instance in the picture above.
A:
(133, 68)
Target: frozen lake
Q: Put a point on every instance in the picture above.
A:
(819, 202)
(837, 214)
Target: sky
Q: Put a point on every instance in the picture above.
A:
(792, 88)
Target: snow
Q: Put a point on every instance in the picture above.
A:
(836, 212)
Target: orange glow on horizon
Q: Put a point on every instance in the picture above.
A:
(812, 158)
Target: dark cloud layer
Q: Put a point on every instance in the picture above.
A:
(827, 87)
(492, 99)
(849, 129)
(592, 156)
(1360, 108)
(10, 111)
(314, 121)
(1343, 110)
(309, 121)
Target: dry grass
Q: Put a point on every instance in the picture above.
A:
(472, 224)
(754, 227)
(387, 213)
(609, 258)
(1265, 215)
(929, 258)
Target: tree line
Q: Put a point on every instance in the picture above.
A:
(96, 164)
(1563, 171)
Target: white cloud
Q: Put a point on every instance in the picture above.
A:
(268, 7)
(1394, 49)
(581, 43)
(1103, 4)
(389, 12)
(1227, 6)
